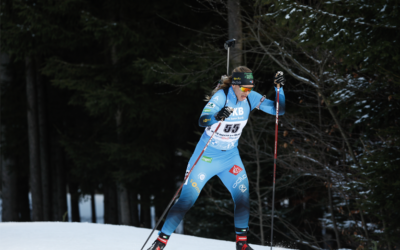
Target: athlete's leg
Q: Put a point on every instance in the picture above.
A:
(203, 171)
(235, 179)
(186, 200)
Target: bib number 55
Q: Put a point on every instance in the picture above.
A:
(231, 128)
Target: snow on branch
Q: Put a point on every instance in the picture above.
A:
(287, 69)
(343, 18)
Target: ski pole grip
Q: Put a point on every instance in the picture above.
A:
(230, 43)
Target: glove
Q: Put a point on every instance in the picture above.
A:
(279, 79)
(223, 113)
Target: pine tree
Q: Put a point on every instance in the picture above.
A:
(361, 37)
(117, 76)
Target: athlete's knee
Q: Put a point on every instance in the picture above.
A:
(184, 204)
(242, 201)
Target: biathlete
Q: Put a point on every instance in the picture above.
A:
(231, 103)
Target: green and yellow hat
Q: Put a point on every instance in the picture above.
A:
(242, 78)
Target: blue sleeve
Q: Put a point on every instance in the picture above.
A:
(216, 103)
(268, 106)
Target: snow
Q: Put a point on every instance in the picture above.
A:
(363, 117)
(343, 95)
(344, 31)
(304, 32)
(87, 236)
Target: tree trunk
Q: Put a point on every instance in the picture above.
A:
(8, 173)
(134, 208)
(23, 198)
(123, 197)
(57, 215)
(335, 229)
(110, 204)
(59, 194)
(235, 31)
(44, 156)
(9, 190)
(145, 220)
(93, 207)
(123, 201)
(33, 138)
(62, 184)
(73, 191)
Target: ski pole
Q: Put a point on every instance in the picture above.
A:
(177, 192)
(275, 153)
(228, 44)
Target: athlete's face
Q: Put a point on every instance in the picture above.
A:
(242, 91)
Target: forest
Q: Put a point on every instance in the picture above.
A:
(96, 98)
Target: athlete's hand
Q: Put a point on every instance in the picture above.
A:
(223, 113)
(279, 80)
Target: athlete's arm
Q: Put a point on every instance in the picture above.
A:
(268, 106)
(207, 120)
(207, 117)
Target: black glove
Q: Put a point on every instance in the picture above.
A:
(223, 113)
(279, 79)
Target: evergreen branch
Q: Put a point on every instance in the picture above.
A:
(355, 21)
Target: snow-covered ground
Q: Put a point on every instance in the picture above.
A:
(88, 236)
(85, 236)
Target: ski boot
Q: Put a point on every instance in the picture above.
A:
(160, 242)
(241, 243)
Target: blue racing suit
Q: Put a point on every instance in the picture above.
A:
(221, 157)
